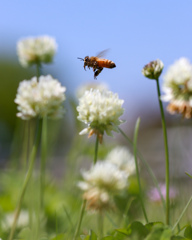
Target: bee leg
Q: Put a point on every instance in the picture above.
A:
(86, 65)
(94, 69)
(97, 72)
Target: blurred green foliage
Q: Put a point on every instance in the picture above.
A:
(11, 73)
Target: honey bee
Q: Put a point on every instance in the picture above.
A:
(97, 63)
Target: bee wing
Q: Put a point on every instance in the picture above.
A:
(102, 53)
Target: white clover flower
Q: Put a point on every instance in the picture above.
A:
(100, 110)
(178, 73)
(104, 175)
(100, 183)
(123, 159)
(177, 87)
(91, 85)
(153, 69)
(36, 50)
(40, 98)
(23, 220)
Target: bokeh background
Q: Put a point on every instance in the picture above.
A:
(135, 32)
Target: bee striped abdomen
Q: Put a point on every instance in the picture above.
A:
(105, 63)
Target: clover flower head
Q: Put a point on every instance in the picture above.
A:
(123, 159)
(36, 50)
(100, 110)
(23, 220)
(178, 73)
(100, 183)
(177, 87)
(106, 175)
(153, 69)
(40, 98)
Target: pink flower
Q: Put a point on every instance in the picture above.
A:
(155, 196)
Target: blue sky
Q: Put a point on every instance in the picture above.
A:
(136, 32)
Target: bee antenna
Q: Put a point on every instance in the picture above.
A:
(80, 58)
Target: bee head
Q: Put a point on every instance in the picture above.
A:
(86, 59)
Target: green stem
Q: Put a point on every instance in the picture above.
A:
(137, 168)
(166, 153)
(25, 150)
(184, 210)
(25, 184)
(100, 224)
(80, 219)
(111, 220)
(147, 167)
(38, 69)
(188, 174)
(85, 201)
(43, 159)
(96, 149)
(68, 217)
(125, 216)
(56, 223)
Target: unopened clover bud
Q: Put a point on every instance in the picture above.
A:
(153, 69)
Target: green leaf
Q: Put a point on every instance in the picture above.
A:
(178, 238)
(155, 234)
(166, 235)
(91, 236)
(117, 235)
(188, 232)
(86, 237)
(59, 237)
(139, 229)
(108, 238)
(150, 225)
(124, 231)
(25, 233)
(136, 230)
(159, 232)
